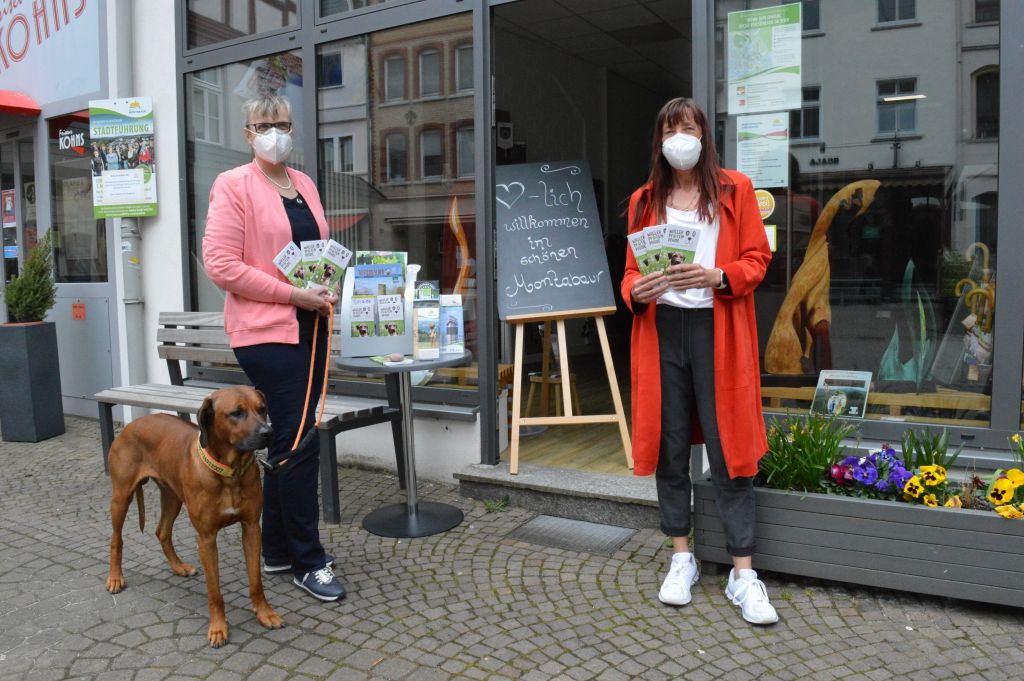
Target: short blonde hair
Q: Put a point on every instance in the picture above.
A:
(266, 106)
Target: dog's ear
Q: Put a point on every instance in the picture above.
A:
(205, 418)
(263, 398)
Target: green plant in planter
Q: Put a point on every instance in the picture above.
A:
(31, 294)
(800, 452)
(922, 448)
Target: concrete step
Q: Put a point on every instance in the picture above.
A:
(621, 500)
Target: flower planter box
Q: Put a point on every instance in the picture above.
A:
(974, 555)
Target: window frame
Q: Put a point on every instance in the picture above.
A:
(457, 68)
(334, 52)
(439, 72)
(998, 9)
(460, 129)
(802, 112)
(386, 60)
(345, 142)
(896, 107)
(386, 137)
(437, 131)
(896, 13)
(985, 71)
(804, 28)
(208, 88)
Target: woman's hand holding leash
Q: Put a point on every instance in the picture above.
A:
(315, 300)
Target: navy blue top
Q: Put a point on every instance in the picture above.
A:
(304, 228)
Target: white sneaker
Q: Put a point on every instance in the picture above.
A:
(750, 594)
(682, 574)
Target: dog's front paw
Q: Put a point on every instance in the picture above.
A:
(183, 569)
(217, 634)
(269, 619)
(115, 583)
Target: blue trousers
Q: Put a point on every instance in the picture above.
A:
(290, 508)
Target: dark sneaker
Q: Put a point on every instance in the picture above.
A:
(275, 567)
(321, 584)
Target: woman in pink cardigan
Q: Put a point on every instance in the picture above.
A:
(255, 210)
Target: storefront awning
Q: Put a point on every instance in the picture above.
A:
(18, 103)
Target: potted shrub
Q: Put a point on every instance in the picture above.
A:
(882, 519)
(30, 403)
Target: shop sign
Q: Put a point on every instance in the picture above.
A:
(10, 252)
(124, 182)
(70, 139)
(825, 161)
(764, 59)
(50, 49)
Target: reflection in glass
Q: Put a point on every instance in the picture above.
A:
(886, 219)
(395, 182)
(216, 21)
(216, 139)
(79, 240)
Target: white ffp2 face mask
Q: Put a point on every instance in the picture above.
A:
(273, 146)
(681, 150)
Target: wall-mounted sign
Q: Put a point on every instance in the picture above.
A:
(50, 50)
(825, 161)
(765, 202)
(124, 178)
(78, 311)
(764, 59)
(10, 252)
(762, 148)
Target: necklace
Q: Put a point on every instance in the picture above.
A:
(690, 204)
(286, 187)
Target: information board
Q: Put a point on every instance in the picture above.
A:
(550, 247)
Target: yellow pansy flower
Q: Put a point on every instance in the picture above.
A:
(930, 500)
(1009, 511)
(954, 502)
(1015, 476)
(1001, 491)
(1016, 438)
(913, 487)
(933, 475)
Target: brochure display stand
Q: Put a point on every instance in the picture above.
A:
(368, 346)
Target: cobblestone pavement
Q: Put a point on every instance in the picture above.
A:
(465, 604)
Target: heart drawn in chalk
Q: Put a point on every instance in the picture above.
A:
(511, 195)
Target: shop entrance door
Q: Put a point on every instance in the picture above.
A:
(17, 208)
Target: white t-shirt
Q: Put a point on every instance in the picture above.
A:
(704, 256)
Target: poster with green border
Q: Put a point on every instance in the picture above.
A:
(121, 135)
(764, 56)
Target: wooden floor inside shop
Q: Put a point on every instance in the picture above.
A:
(596, 447)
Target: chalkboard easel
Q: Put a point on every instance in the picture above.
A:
(569, 418)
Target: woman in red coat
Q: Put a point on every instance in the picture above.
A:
(695, 367)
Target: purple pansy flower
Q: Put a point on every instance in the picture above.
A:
(866, 475)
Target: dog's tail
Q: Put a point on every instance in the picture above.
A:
(142, 507)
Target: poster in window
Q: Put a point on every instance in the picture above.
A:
(7, 204)
(124, 179)
(842, 393)
(764, 59)
(762, 149)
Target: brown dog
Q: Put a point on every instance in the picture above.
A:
(211, 469)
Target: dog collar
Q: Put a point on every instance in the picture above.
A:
(216, 466)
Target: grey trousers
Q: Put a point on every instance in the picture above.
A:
(686, 340)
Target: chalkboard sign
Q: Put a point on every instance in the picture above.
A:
(551, 256)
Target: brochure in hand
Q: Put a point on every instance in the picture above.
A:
(680, 244)
(656, 254)
(289, 261)
(330, 269)
(638, 242)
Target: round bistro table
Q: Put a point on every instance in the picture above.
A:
(414, 518)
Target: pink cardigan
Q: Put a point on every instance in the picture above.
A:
(246, 227)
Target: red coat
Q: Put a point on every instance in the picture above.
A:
(743, 254)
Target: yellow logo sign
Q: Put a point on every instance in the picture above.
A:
(765, 202)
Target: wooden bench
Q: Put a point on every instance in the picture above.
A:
(200, 337)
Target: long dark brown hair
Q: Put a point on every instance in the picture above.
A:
(661, 180)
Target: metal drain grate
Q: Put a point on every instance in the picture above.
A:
(573, 535)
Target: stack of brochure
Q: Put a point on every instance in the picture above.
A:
(378, 294)
(426, 315)
(656, 248)
(314, 264)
